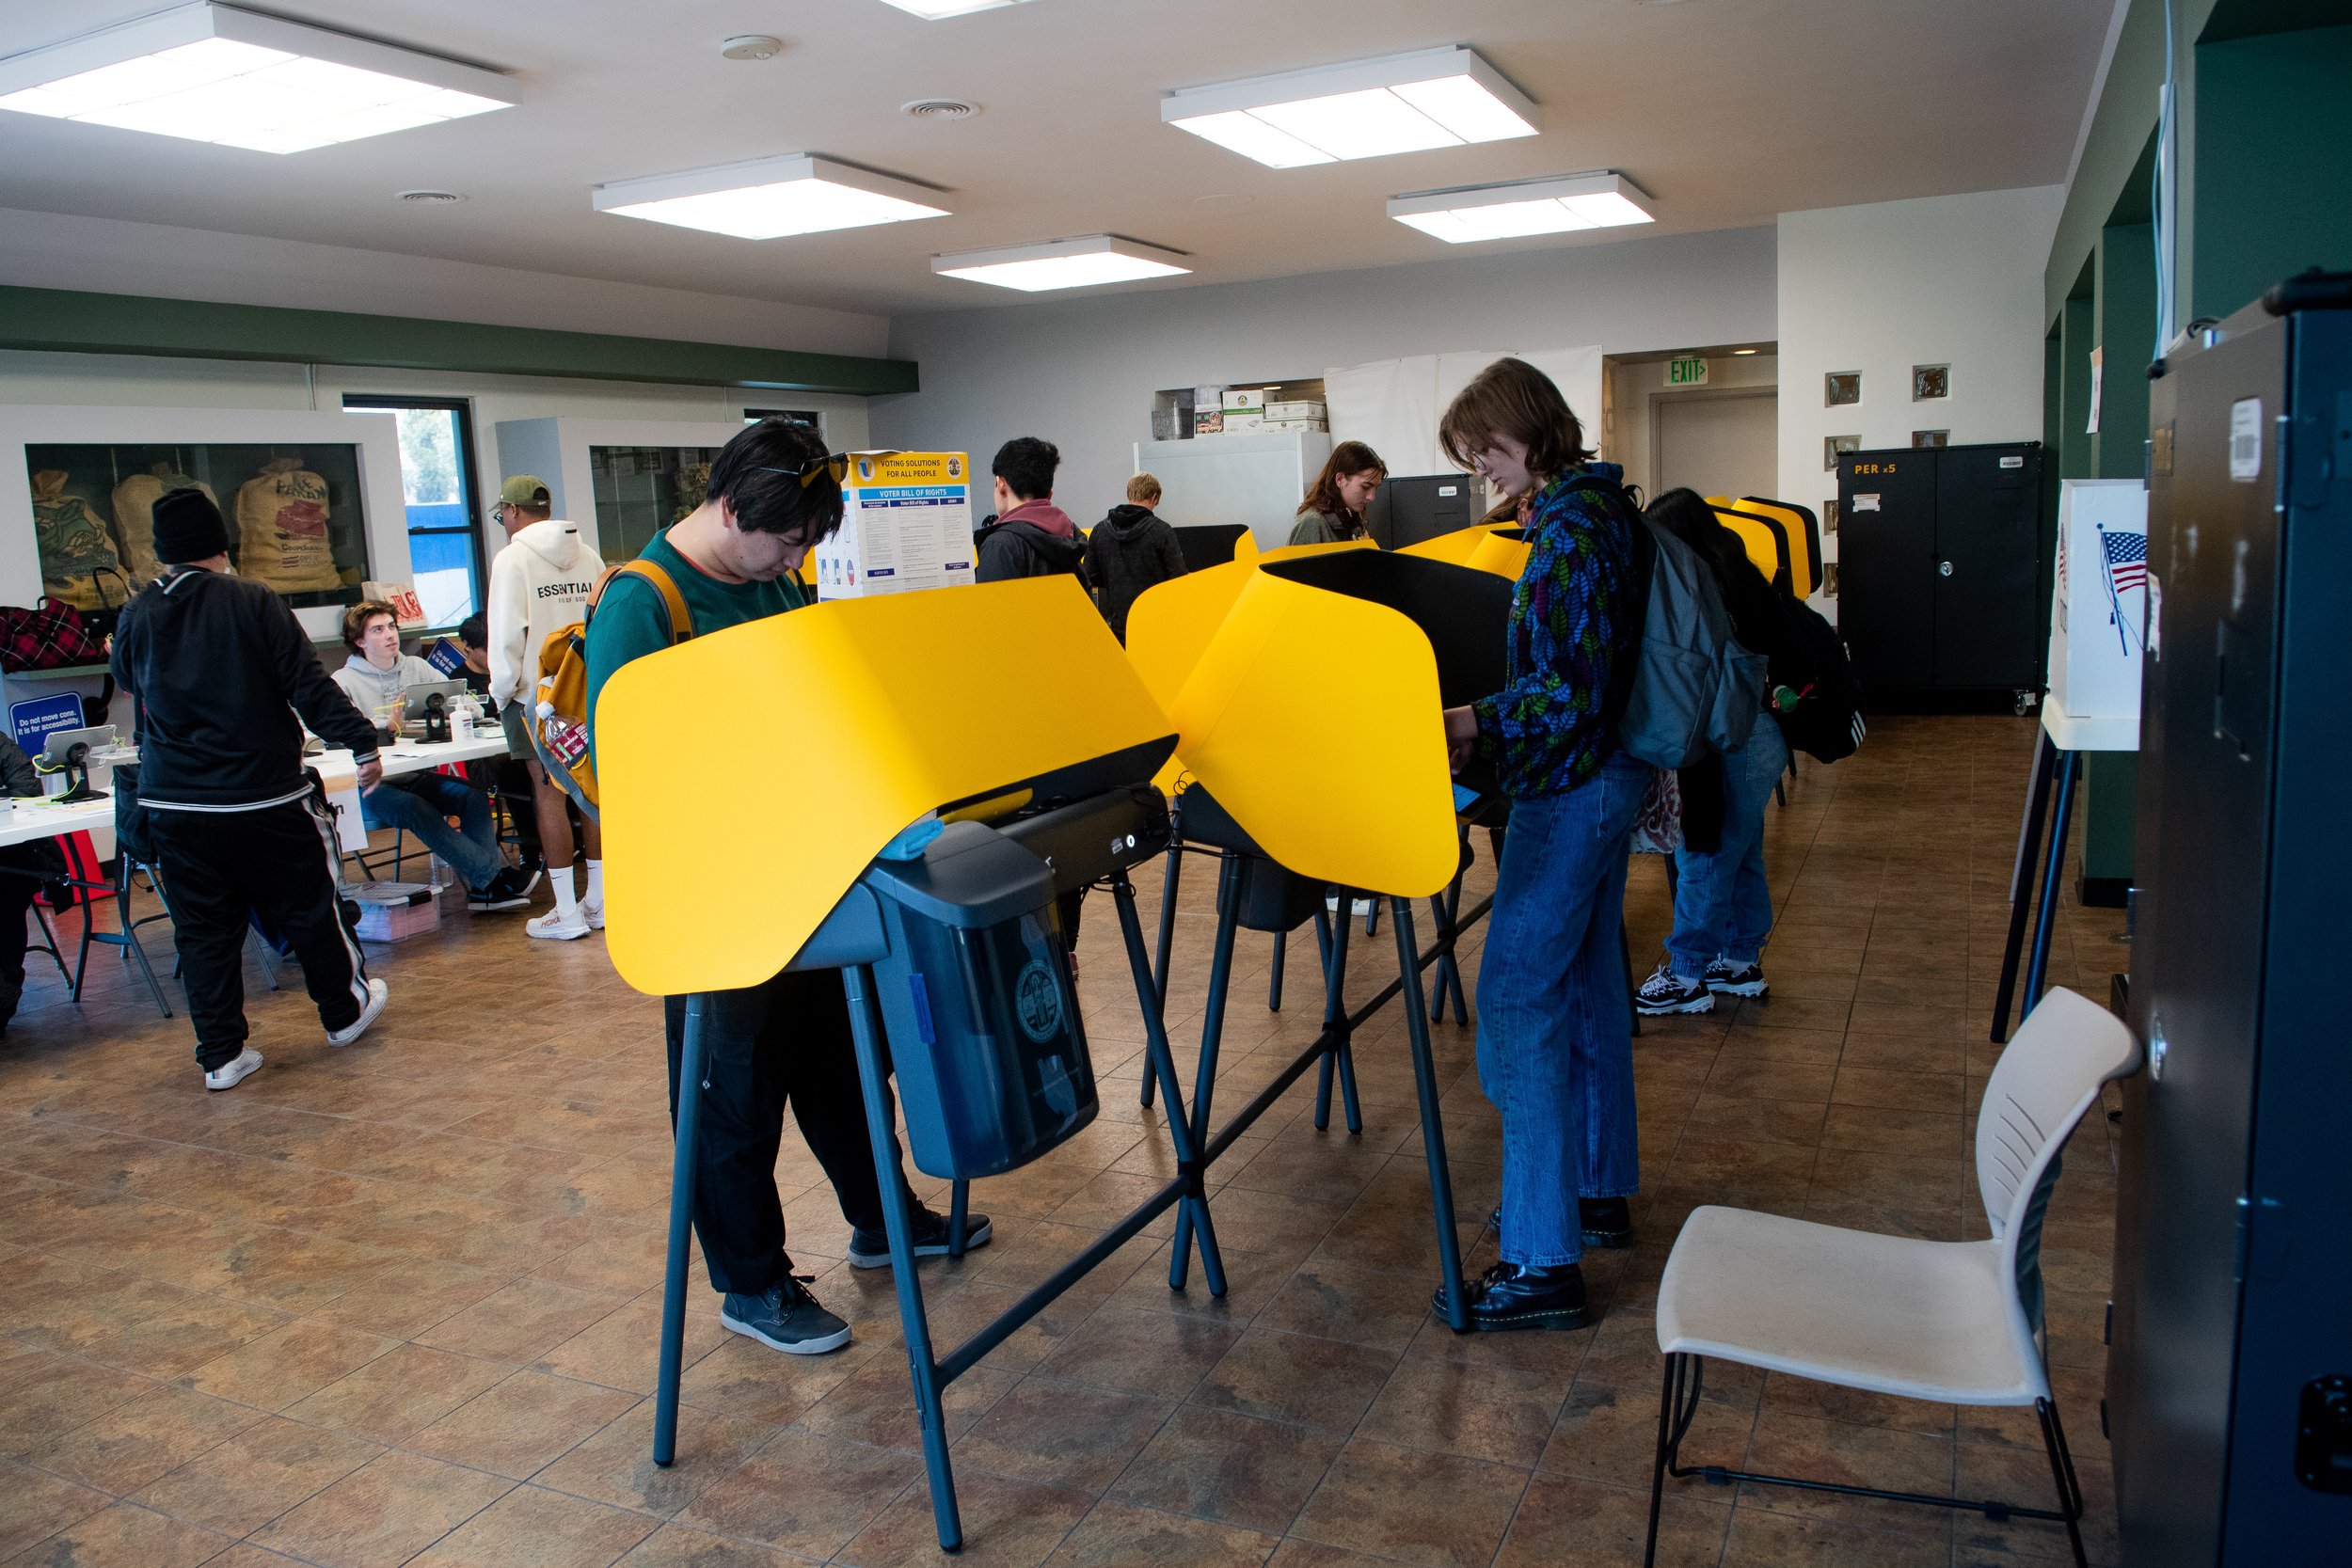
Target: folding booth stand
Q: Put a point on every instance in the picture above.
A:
(951, 952)
(1308, 772)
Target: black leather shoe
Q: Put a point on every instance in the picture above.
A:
(1607, 1222)
(1509, 1296)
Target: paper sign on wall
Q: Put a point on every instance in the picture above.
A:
(2098, 371)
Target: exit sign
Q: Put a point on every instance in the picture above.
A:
(1689, 371)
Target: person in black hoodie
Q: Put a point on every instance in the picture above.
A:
(1130, 550)
(219, 667)
(1031, 536)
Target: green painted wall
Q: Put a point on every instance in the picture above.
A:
(2078, 334)
(76, 322)
(2274, 163)
(2125, 303)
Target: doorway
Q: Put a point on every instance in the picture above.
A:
(1719, 443)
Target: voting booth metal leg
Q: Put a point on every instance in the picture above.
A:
(1193, 1210)
(865, 1030)
(2021, 875)
(1431, 1122)
(1212, 1033)
(1165, 952)
(1274, 985)
(688, 1121)
(1339, 1058)
(2068, 767)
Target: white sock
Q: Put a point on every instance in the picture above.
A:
(595, 883)
(566, 905)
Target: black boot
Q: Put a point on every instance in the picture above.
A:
(1607, 1222)
(1512, 1295)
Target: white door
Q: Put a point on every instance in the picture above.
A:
(1717, 443)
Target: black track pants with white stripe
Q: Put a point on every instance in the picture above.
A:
(222, 867)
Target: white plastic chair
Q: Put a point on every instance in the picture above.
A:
(1957, 1322)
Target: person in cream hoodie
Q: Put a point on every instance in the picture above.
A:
(539, 584)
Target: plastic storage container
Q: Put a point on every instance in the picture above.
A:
(984, 1032)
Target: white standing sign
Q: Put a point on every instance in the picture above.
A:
(2099, 613)
(906, 523)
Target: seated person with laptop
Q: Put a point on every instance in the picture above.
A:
(376, 678)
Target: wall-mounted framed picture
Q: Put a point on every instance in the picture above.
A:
(1840, 388)
(1931, 438)
(1829, 581)
(1833, 444)
(1829, 516)
(1930, 381)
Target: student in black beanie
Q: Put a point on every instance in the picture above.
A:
(219, 667)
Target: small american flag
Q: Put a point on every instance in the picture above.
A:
(2127, 559)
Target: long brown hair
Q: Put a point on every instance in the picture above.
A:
(1513, 398)
(1349, 458)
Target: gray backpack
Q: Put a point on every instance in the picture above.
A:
(1693, 689)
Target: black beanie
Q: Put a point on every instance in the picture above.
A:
(188, 527)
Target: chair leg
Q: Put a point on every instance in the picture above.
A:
(49, 936)
(1274, 985)
(2062, 1472)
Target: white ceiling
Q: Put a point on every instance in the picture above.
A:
(1728, 111)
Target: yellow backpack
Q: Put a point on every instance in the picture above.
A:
(559, 718)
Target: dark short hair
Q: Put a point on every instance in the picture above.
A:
(748, 474)
(474, 630)
(1027, 465)
(1513, 398)
(356, 620)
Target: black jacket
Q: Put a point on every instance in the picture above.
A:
(220, 667)
(1023, 549)
(1129, 551)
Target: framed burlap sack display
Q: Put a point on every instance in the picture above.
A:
(135, 502)
(75, 546)
(282, 536)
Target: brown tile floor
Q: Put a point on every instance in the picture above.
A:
(397, 1303)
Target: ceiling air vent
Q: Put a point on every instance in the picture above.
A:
(429, 198)
(938, 108)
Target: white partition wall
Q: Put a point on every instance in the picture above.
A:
(1257, 479)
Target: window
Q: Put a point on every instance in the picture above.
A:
(437, 481)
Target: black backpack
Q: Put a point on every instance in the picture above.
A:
(1826, 724)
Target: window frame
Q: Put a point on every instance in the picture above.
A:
(468, 484)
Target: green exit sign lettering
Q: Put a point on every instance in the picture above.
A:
(1689, 371)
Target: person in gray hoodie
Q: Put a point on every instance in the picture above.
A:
(374, 677)
(1130, 550)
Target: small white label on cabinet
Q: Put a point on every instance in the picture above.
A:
(2246, 440)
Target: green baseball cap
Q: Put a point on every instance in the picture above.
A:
(523, 490)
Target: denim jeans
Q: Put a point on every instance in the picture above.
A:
(1722, 905)
(1555, 1022)
(423, 804)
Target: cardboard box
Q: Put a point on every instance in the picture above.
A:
(393, 911)
(1293, 424)
(906, 523)
(1244, 399)
(1239, 421)
(1208, 421)
(1296, 411)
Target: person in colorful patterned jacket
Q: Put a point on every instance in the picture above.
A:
(1555, 1049)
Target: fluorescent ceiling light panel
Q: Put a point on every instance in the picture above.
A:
(216, 73)
(1601, 201)
(1402, 104)
(1084, 263)
(932, 10)
(769, 197)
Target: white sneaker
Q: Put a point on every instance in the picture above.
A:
(377, 993)
(229, 1074)
(593, 912)
(554, 928)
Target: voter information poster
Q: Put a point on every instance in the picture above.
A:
(906, 523)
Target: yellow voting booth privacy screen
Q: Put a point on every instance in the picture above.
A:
(846, 721)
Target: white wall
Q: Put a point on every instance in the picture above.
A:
(1949, 279)
(1633, 392)
(1081, 372)
(58, 251)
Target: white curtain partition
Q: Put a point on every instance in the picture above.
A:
(1393, 405)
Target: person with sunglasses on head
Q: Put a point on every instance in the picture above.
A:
(540, 583)
(774, 493)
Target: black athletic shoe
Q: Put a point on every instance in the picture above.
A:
(870, 1249)
(1665, 993)
(509, 890)
(1607, 1222)
(786, 1318)
(1725, 978)
(1509, 1296)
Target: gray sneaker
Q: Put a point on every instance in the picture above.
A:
(786, 1318)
